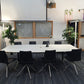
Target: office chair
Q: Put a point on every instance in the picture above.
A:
(48, 60)
(58, 42)
(74, 55)
(17, 43)
(46, 42)
(4, 59)
(32, 42)
(25, 59)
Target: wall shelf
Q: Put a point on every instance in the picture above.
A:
(51, 5)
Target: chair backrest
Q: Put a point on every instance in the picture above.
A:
(32, 42)
(50, 54)
(58, 42)
(25, 57)
(75, 55)
(17, 43)
(46, 42)
(3, 57)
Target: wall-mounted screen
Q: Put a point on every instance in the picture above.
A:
(30, 10)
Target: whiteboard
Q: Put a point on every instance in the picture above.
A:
(23, 10)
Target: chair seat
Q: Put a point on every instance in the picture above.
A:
(46, 42)
(17, 43)
(5, 62)
(58, 42)
(32, 42)
(48, 61)
(74, 55)
(23, 63)
(71, 59)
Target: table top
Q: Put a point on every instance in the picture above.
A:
(39, 48)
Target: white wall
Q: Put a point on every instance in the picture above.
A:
(57, 15)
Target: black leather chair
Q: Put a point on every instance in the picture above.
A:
(48, 60)
(4, 59)
(17, 43)
(58, 42)
(74, 55)
(32, 42)
(25, 59)
(46, 42)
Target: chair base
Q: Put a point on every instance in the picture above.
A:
(26, 66)
(49, 68)
(74, 65)
(6, 71)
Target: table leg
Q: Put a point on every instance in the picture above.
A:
(62, 56)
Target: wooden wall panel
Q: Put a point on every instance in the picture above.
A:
(34, 28)
(79, 31)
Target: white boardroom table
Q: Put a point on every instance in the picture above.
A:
(39, 48)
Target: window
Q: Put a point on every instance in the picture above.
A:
(43, 29)
(24, 29)
(34, 29)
